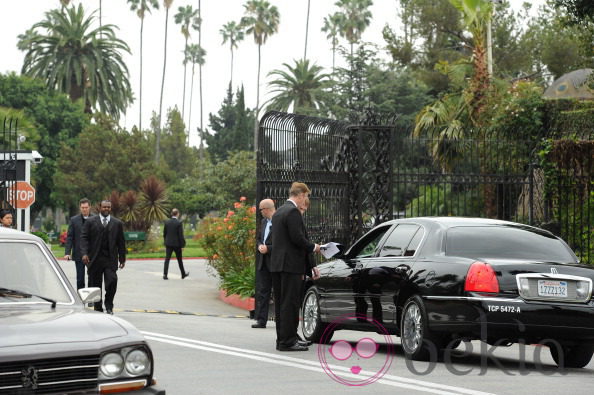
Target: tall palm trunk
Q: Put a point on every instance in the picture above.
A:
(306, 30)
(231, 79)
(158, 137)
(190, 109)
(200, 80)
(257, 104)
(185, 66)
(140, 95)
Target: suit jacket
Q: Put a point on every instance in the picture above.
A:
(262, 259)
(173, 233)
(289, 241)
(91, 239)
(73, 239)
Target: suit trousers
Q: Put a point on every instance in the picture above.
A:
(263, 292)
(178, 255)
(80, 274)
(104, 269)
(287, 300)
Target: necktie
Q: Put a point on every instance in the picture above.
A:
(104, 222)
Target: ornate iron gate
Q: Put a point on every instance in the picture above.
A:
(347, 167)
(8, 161)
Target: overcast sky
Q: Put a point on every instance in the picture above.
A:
(282, 47)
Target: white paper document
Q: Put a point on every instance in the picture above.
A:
(330, 249)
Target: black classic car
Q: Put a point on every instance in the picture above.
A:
(437, 281)
(49, 342)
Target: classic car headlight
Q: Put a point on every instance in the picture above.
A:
(111, 364)
(137, 362)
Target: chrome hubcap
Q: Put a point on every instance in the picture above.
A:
(310, 315)
(412, 330)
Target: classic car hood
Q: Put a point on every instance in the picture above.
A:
(44, 326)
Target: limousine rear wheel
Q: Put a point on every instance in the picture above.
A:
(573, 356)
(314, 329)
(418, 342)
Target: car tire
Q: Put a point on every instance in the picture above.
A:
(313, 328)
(573, 356)
(418, 342)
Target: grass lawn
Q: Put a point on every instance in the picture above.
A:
(192, 250)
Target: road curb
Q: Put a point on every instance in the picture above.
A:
(237, 301)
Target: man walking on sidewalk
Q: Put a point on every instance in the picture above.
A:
(173, 234)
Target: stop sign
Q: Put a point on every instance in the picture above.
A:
(22, 193)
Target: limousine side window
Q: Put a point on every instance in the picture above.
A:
(367, 246)
(398, 240)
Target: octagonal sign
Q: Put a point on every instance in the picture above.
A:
(22, 194)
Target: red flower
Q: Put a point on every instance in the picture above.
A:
(230, 213)
(237, 205)
(242, 199)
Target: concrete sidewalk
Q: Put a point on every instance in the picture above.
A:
(141, 287)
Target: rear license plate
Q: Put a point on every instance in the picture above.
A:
(552, 288)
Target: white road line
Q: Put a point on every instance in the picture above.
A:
(395, 381)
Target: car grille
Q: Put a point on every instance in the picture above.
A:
(46, 376)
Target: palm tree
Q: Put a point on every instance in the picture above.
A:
(198, 26)
(195, 55)
(261, 20)
(353, 19)
(233, 33)
(184, 17)
(298, 87)
(167, 5)
(73, 58)
(477, 14)
(306, 29)
(142, 7)
(332, 28)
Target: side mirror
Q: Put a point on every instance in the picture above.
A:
(90, 295)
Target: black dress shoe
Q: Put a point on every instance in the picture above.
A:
(186, 274)
(109, 311)
(258, 325)
(165, 278)
(294, 347)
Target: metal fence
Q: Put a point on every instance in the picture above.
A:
(365, 173)
(299, 148)
(8, 162)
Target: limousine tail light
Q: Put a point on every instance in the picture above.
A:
(481, 278)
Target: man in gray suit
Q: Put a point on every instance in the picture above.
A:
(173, 234)
(72, 250)
(263, 278)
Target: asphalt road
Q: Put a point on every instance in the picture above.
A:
(204, 346)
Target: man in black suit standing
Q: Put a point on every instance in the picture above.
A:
(289, 262)
(72, 250)
(263, 277)
(102, 246)
(173, 234)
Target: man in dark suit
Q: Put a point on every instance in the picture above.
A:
(288, 265)
(72, 250)
(173, 234)
(102, 246)
(263, 277)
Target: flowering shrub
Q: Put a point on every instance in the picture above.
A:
(230, 244)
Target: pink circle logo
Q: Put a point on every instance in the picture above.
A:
(355, 363)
